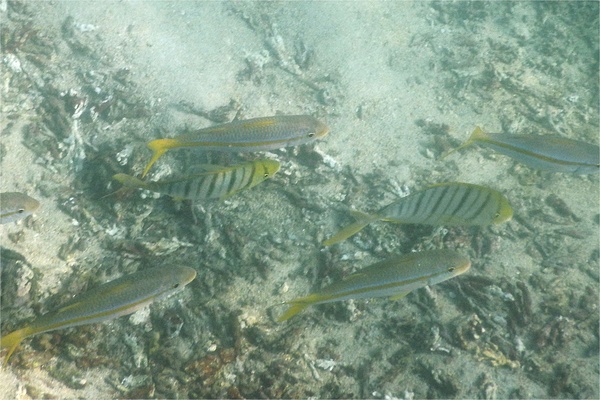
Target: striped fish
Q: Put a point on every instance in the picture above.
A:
(110, 300)
(15, 206)
(450, 204)
(256, 134)
(216, 183)
(548, 153)
(394, 277)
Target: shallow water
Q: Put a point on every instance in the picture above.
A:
(87, 85)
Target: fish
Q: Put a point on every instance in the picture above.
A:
(543, 152)
(15, 206)
(215, 183)
(395, 277)
(449, 204)
(257, 134)
(107, 301)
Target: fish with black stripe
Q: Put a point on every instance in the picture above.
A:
(449, 204)
(215, 183)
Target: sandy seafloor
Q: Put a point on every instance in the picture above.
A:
(398, 83)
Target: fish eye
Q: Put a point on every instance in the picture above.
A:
(451, 269)
(21, 210)
(311, 134)
(266, 175)
(175, 286)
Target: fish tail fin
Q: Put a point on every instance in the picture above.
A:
(159, 147)
(293, 310)
(362, 221)
(477, 134)
(12, 341)
(130, 181)
(300, 304)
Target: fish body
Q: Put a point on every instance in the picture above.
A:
(15, 206)
(215, 183)
(394, 277)
(257, 134)
(110, 300)
(448, 204)
(547, 153)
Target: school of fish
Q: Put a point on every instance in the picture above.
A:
(442, 204)
(129, 293)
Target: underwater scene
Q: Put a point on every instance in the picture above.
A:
(274, 199)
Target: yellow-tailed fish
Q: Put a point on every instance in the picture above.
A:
(110, 300)
(450, 204)
(15, 206)
(216, 183)
(394, 277)
(256, 134)
(548, 153)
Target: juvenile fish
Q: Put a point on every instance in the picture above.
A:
(15, 206)
(256, 134)
(450, 204)
(216, 183)
(548, 153)
(394, 277)
(110, 300)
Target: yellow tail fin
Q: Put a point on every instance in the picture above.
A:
(300, 304)
(12, 341)
(345, 233)
(293, 310)
(159, 147)
(477, 134)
